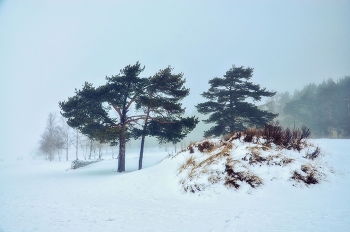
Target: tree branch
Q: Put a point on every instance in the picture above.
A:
(117, 109)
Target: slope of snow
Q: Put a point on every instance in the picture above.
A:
(37, 195)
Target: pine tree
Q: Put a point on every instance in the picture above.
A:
(323, 108)
(107, 113)
(161, 104)
(227, 103)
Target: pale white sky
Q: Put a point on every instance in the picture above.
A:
(49, 48)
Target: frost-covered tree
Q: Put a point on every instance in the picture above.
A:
(66, 134)
(51, 140)
(228, 107)
(77, 140)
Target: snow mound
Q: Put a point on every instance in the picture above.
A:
(243, 161)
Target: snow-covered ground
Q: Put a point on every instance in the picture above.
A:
(37, 195)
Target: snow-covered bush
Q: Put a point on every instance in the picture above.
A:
(250, 158)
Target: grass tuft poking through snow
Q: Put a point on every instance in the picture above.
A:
(250, 158)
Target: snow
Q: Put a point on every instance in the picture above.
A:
(37, 195)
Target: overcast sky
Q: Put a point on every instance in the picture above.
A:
(49, 48)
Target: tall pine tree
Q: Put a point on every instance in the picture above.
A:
(227, 104)
(161, 105)
(107, 113)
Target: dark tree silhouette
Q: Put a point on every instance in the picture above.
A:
(227, 103)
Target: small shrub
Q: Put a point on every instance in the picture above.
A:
(248, 138)
(194, 188)
(314, 154)
(214, 178)
(250, 133)
(286, 161)
(234, 178)
(205, 146)
(273, 133)
(310, 176)
(232, 136)
(305, 132)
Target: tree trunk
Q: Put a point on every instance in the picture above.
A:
(121, 158)
(90, 150)
(77, 145)
(143, 140)
(141, 151)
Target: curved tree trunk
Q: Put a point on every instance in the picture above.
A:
(143, 140)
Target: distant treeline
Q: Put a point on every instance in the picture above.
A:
(324, 108)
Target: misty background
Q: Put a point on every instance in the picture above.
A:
(49, 48)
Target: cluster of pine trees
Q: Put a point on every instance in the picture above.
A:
(324, 108)
(130, 106)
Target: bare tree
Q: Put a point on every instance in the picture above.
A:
(59, 144)
(66, 134)
(99, 147)
(84, 145)
(50, 140)
(112, 148)
(76, 142)
(92, 147)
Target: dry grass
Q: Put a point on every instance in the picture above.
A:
(234, 179)
(217, 164)
(308, 175)
(275, 134)
(232, 136)
(190, 162)
(214, 158)
(313, 155)
(206, 146)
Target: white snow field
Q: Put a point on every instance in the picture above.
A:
(37, 195)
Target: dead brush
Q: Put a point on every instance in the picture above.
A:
(256, 158)
(251, 135)
(313, 155)
(193, 188)
(191, 149)
(206, 146)
(190, 162)
(272, 133)
(298, 137)
(232, 136)
(311, 175)
(286, 160)
(227, 145)
(214, 158)
(254, 155)
(236, 178)
(215, 177)
(308, 179)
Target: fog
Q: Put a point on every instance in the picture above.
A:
(49, 48)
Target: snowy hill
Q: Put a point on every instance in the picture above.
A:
(37, 195)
